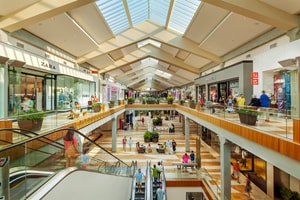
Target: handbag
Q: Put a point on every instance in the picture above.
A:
(72, 151)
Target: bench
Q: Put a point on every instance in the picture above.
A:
(181, 165)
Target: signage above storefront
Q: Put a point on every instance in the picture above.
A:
(254, 78)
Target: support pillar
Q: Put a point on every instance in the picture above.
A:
(270, 180)
(187, 133)
(225, 169)
(114, 135)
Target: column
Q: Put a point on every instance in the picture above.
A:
(225, 169)
(187, 133)
(270, 180)
(114, 135)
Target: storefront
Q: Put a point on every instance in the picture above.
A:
(47, 91)
(232, 80)
(41, 80)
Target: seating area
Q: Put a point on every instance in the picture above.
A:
(181, 165)
(140, 148)
(161, 148)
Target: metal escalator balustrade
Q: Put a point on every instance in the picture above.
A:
(46, 152)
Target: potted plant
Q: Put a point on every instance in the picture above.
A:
(157, 121)
(96, 107)
(130, 100)
(147, 136)
(181, 102)
(151, 100)
(170, 99)
(248, 116)
(192, 104)
(154, 136)
(288, 194)
(111, 104)
(31, 120)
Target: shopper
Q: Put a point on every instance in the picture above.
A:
(185, 158)
(160, 193)
(192, 157)
(75, 112)
(160, 169)
(124, 142)
(236, 170)
(139, 179)
(85, 158)
(174, 145)
(255, 102)
(265, 104)
(71, 147)
(155, 174)
(27, 103)
(248, 187)
(130, 142)
(241, 100)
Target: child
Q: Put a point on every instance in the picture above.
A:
(85, 159)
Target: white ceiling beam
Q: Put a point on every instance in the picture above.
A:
(259, 11)
(39, 11)
(158, 35)
(154, 52)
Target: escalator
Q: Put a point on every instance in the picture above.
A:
(22, 181)
(42, 155)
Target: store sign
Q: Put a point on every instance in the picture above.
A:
(254, 81)
(254, 78)
(48, 65)
(254, 75)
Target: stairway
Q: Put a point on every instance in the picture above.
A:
(154, 188)
(140, 195)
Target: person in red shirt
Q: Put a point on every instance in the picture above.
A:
(236, 170)
(124, 141)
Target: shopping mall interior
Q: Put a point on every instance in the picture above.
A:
(142, 83)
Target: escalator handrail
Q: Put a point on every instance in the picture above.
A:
(18, 175)
(56, 130)
(19, 131)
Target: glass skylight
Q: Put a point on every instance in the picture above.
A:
(139, 10)
(114, 12)
(182, 14)
(159, 11)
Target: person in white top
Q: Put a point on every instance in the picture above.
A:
(169, 145)
(160, 169)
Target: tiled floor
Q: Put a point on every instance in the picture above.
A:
(210, 159)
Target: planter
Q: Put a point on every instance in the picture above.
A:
(110, 105)
(248, 119)
(154, 139)
(147, 139)
(31, 125)
(192, 105)
(97, 108)
(151, 102)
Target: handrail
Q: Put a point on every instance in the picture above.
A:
(21, 132)
(215, 193)
(151, 180)
(163, 181)
(56, 130)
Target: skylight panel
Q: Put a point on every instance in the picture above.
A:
(139, 11)
(114, 13)
(159, 11)
(182, 14)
